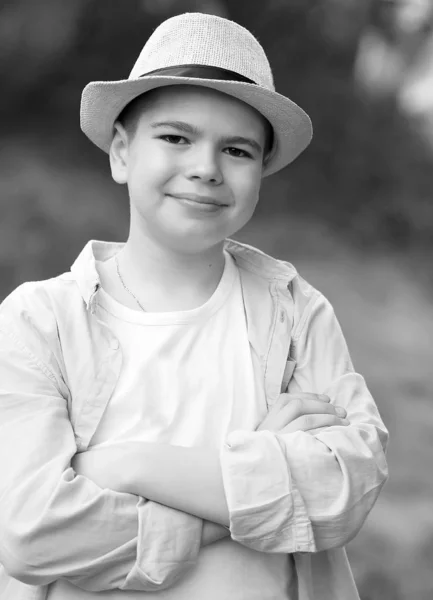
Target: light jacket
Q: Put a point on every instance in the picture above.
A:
(306, 493)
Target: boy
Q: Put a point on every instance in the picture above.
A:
(179, 416)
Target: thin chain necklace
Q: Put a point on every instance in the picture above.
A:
(125, 286)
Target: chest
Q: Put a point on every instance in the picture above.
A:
(96, 361)
(184, 382)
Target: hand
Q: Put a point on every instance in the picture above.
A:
(302, 412)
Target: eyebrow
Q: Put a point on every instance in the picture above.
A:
(192, 130)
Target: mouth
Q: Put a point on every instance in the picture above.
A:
(199, 199)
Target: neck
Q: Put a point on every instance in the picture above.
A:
(151, 268)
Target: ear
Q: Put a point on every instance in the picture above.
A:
(119, 154)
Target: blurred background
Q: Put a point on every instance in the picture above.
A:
(354, 213)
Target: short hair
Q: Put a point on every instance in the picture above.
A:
(130, 116)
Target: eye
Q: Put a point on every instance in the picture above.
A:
(177, 140)
(238, 153)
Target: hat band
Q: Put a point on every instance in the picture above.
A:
(207, 72)
(200, 72)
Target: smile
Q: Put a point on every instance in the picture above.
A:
(206, 203)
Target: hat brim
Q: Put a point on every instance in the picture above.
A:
(103, 101)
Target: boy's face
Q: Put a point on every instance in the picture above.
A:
(193, 167)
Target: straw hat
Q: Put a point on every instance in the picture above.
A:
(228, 58)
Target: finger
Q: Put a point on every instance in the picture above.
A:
(298, 407)
(285, 399)
(314, 421)
(305, 396)
(281, 414)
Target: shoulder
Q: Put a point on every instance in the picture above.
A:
(308, 302)
(36, 296)
(34, 308)
(305, 297)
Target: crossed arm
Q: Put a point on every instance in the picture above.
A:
(190, 479)
(57, 524)
(187, 479)
(291, 491)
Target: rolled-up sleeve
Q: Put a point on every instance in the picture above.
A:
(313, 490)
(57, 524)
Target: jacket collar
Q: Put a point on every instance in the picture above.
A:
(247, 257)
(84, 269)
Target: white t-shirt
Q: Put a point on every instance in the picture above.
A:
(188, 379)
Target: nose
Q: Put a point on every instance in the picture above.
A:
(204, 166)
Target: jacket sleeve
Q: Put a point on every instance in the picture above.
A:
(57, 524)
(313, 490)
